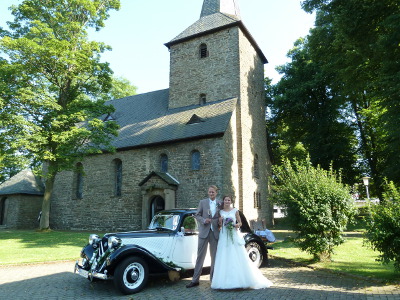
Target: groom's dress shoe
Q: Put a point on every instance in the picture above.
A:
(192, 284)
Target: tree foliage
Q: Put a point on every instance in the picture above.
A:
(51, 70)
(383, 230)
(318, 205)
(309, 116)
(347, 69)
(120, 87)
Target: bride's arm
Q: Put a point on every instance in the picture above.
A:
(239, 221)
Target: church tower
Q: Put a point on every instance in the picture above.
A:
(207, 58)
(214, 59)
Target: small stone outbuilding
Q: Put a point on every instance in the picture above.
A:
(21, 201)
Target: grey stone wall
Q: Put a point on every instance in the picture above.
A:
(216, 75)
(23, 211)
(99, 209)
(253, 131)
(230, 184)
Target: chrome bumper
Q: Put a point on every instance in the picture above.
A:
(87, 274)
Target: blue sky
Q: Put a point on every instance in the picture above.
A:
(138, 31)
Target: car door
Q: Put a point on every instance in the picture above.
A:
(184, 253)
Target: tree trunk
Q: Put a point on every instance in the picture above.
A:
(45, 217)
(324, 256)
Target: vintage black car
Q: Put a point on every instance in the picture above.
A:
(169, 246)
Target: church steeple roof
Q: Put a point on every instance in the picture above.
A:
(229, 7)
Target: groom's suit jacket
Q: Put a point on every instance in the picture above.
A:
(204, 212)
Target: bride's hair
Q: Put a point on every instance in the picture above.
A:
(228, 196)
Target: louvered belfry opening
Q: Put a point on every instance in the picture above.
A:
(203, 51)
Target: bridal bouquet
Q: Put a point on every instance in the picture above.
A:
(230, 226)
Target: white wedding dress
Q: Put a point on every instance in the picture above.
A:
(233, 268)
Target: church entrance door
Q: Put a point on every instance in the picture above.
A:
(157, 204)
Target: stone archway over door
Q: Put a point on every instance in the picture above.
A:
(151, 203)
(157, 186)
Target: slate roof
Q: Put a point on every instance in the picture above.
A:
(146, 120)
(206, 24)
(25, 182)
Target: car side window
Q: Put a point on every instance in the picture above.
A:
(190, 225)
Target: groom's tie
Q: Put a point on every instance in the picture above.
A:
(212, 210)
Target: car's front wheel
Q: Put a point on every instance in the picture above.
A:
(254, 251)
(131, 275)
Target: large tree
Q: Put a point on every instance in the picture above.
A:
(11, 161)
(358, 42)
(52, 72)
(309, 116)
(120, 87)
(344, 81)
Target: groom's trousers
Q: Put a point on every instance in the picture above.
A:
(201, 254)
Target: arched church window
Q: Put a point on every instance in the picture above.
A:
(203, 51)
(117, 177)
(79, 181)
(256, 167)
(257, 200)
(195, 160)
(164, 163)
(203, 99)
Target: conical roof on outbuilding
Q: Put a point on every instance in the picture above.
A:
(25, 182)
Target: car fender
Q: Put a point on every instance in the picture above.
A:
(251, 237)
(156, 265)
(87, 251)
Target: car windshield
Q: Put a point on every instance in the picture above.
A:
(165, 221)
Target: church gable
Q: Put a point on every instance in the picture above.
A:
(205, 25)
(216, 15)
(159, 180)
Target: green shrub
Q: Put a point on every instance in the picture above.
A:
(318, 205)
(363, 212)
(383, 231)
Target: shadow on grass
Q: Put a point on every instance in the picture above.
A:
(40, 239)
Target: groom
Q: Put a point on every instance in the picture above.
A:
(207, 216)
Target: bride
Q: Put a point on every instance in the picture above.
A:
(233, 268)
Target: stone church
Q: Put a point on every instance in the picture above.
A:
(207, 128)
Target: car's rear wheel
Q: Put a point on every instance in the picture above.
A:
(131, 275)
(254, 251)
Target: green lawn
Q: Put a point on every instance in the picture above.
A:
(351, 257)
(27, 246)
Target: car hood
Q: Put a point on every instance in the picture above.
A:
(141, 234)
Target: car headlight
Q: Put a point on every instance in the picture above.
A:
(114, 242)
(93, 238)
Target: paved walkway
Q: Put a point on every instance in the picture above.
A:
(57, 281)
